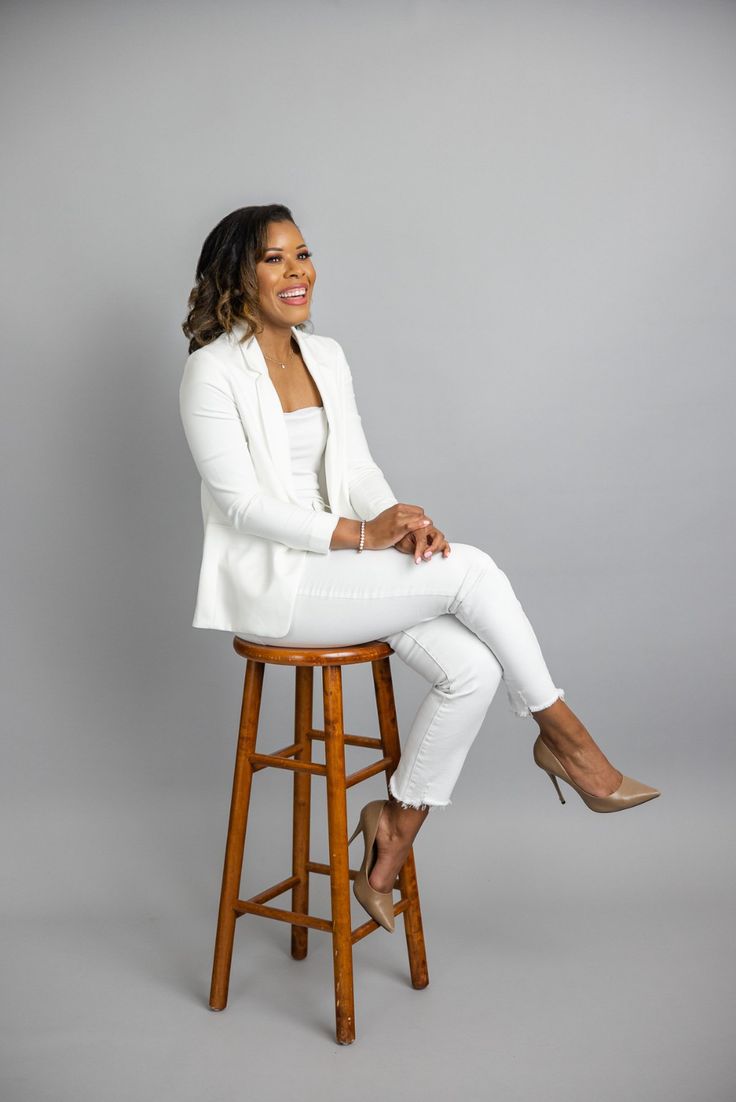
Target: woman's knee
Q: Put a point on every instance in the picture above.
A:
(471, 555)
(451, 657)
(479, 564)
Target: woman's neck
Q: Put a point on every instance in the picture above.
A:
(276, 342)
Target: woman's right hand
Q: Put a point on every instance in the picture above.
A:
(392, 525)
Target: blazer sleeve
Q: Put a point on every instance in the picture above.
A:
(219, 447)
(368, 490)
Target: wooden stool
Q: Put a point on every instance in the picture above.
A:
(298, 758)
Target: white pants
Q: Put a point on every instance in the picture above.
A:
(455, 620)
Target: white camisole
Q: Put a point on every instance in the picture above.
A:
(307, 429)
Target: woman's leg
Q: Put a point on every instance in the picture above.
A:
(456, 620)
(464, 676)
(346, 598)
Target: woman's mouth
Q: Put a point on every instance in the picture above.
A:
(294, 296)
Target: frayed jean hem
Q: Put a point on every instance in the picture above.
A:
(417, 805)
(523, 710)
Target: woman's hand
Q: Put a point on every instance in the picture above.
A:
(423, 544)
(394, 524)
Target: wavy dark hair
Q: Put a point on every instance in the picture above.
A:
(226, 287)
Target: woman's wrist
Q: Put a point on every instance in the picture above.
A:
(347, 535)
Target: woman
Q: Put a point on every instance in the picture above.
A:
(290, 493)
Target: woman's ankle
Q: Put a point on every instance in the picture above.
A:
(561, 728)
(403, 822)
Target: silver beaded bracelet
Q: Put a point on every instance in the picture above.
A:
(361, 544)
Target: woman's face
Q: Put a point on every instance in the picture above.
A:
(285, 276)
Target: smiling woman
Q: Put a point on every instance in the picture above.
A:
(287, 502)
(276, 257)
(242, 257)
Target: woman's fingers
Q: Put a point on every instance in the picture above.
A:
(423, 542)
(416, 524)
(438, 542)
(409, 513)
(406, 544)
(432, 542)
(424, 548)
(420, 539)
(420, 545)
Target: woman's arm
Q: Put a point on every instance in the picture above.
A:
(220, 451)
(346, 534)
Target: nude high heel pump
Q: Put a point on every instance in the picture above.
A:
(379, 905)
(628, 794)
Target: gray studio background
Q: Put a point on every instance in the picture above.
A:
(522, 223)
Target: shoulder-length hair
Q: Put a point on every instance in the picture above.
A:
(226, 287)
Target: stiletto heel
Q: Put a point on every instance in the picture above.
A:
(379, 905)
(628, 794)
(553, 778)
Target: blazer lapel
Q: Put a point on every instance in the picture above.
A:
(273, 423)
(270, 413)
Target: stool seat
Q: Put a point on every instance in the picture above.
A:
(312, 656)
(297, 758)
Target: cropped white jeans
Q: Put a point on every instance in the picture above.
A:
(456, 621)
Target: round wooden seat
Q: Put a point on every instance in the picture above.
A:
(312, 656)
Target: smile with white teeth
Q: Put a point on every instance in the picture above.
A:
(295, 293)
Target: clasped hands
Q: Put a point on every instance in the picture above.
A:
(408, 529)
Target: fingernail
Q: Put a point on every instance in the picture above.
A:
(417, 560)
(428, 554)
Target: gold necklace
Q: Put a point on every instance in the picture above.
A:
(271, 358)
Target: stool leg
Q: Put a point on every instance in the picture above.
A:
(389, 728)
(235, 846)
(303, 721)
(337, 825)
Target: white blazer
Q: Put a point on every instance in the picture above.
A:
(256, 533)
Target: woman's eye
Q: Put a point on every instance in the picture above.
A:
(270, 258)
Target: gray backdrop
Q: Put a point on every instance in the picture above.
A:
(522, 223)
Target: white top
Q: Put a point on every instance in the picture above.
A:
(307, 429)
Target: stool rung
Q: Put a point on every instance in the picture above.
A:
(274, 890)
(324, 870)
(365, 928)
(349, 740)
(368, 927)
(260, 761)
(244, 906)
(369, 771)
(284, 752)
(317, 866)
(255, 905)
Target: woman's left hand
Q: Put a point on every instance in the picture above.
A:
(423, 543)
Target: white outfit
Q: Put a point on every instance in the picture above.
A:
(269, 480)
(454, 620)
(257, 535)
